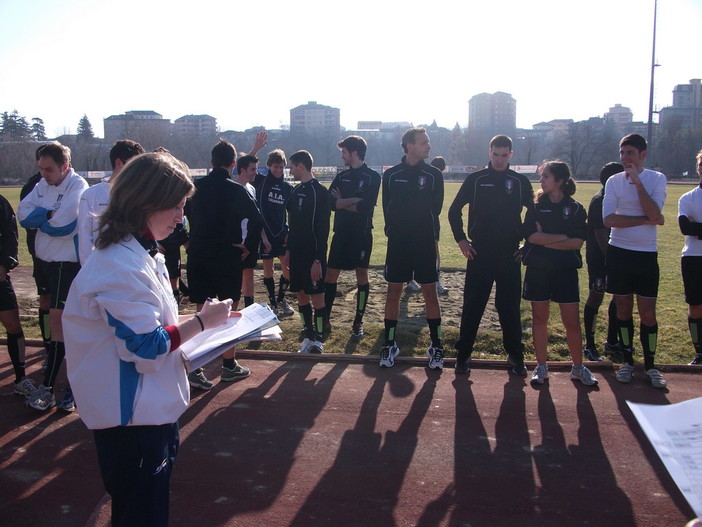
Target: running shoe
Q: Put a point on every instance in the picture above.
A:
(583, 375)
(436, 358)
(655, 378)
(24, 387)
(198, 380)
(41, 399)
(517, 365)
(463, 365)
(441, 289)
(387, 356)
(592, 354)
(68, 403)
(316, 347)
(234, 374)
(413, 286)
(613, 349)
(625, 373)
(697, 361)
(540, 374)
(357, 332)
(284, 308)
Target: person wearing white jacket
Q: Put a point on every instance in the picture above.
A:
(95, 199)
(52, 208)
(123, 335)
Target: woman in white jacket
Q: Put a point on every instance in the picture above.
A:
(123, 332)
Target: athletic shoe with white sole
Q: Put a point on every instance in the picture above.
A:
(436, 358)
(197, 379)
(387, 356)
(357, 332)
(41, 399)
(583, 375)
(24, 387)
(234, 374)
(655, 378)
(625, 373)
(540, 374)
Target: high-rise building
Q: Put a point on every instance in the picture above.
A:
(620, 115)
(143, 126)
(313, 117)
(195, 125)
(492, 113)
(686, 112)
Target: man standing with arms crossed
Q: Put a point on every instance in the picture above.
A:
(354, 193)
(52, 208)
(413, 194)
(632, 207)
(496, 196)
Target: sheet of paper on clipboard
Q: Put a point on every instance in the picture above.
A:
(675, 431)
(257, 322)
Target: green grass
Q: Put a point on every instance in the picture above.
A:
(673, 344)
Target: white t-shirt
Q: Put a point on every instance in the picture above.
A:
(690, 205)
(621, 197)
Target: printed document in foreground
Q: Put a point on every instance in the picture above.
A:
(675, 431)
(257, 322)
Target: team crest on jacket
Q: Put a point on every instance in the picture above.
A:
(421, 181)
(509, 186)
(567, 211)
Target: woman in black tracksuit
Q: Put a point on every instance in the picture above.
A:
(555, 230)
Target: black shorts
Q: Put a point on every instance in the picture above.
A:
(632, 272)
(251, 260)
(350, 250)
(60, 276)
(300, 279)
(558, 285)
(214, 278)
(692, 279)
(597, 277)
(8, 299)
(408, 259)
(41, 276)
(277, 250)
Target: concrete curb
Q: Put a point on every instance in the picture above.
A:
(605, 365)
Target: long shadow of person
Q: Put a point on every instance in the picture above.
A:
(577, 483)
(638, 391)
(363, 484)
(247, 448)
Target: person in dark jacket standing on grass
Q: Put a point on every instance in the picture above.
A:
(496, 196)
(413, 194)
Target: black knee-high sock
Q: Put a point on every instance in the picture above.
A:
(320, 319)
(626, 336)
(329, 296)
(306, 316)
(45, 328)
(695, 325)
(589, 321)
(435, 331)
(649, 340)
(270, 289)
(15, 348)
(361, 303)
(612, 336)
(57, 351)
(283, 285)
(248, 300)
(390, 327)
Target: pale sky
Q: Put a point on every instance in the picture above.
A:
(249, 63)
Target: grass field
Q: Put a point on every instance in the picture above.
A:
(674, 341)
